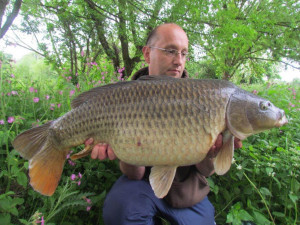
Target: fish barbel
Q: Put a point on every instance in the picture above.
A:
(155, 121)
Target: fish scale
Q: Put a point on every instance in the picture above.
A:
(155, 121)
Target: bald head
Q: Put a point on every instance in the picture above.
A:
(162, 29)
(158, 53)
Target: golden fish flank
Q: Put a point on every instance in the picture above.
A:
(155, 121)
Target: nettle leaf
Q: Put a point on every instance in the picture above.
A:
(265, 191)
(245, 215)
(5, 204)
(294, 198)
(278, 214)
(260, 218)
(22, 179)
(4, 218)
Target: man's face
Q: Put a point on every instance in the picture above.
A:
(160, 63)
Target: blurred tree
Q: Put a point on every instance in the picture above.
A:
(232, 35)
(10, 10)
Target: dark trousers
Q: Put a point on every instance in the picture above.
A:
(133, 202)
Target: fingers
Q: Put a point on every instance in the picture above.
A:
(237, 143)
(89, 141)
(219, 141)
(103, 151)
(111, 154)
(94, 154)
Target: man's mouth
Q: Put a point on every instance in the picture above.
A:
(174, 71)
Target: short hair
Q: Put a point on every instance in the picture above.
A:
(153, 34)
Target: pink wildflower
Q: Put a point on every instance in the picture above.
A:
(31, 89)
(9, 94)
(47, 97)
(72, 92)
(12, 76)
(14, 92)
(60, 92)
(121, 70)
(82, 53)
(58, 105)
(42, 221)
(11, 119)
(80, 175)
(73, 177)
(36, 99)
(88, 208)
(2, 122)
(79, 182)
(35, 90)
(71, 162)
(68, 156)
(88, 200)
(255, 92)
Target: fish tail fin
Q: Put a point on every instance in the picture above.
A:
(45, 159)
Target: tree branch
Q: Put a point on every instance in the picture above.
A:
(11, 17)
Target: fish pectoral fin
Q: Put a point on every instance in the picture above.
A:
(161, 179)
(86, 151)
(222, 162)
(45, 169)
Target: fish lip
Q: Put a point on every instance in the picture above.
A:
(281, 122)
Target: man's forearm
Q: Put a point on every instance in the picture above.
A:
(131, 171)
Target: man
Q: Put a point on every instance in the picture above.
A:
(131, 199)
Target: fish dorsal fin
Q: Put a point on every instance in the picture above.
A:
(156, 77)
(223, 160)
(88, 95)
(161, 179)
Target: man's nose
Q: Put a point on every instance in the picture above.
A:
(178, 59)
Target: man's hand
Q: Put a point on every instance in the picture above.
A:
(101, 151)
(206, 166)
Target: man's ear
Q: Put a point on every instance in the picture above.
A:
(146, 52)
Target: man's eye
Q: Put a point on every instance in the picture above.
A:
(171, 51)
(184, 53)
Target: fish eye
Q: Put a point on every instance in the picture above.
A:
(264, 105)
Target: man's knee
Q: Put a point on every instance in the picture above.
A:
(128, 203)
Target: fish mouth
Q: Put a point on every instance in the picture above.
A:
(281, 121)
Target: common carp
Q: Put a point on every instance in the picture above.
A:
(155, 121)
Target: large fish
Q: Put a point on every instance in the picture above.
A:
(154, 121)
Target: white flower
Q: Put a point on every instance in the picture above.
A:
(239, 167)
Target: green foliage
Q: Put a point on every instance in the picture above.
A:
(240, 39)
